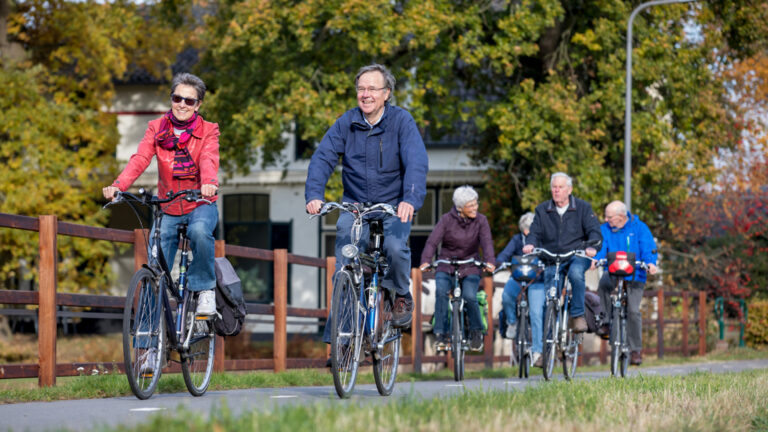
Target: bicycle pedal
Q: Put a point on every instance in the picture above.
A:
(147, 374)
(175, 356)
(202, 317)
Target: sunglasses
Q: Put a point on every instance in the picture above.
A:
(189, 101)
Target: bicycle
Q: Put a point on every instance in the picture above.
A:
(459, 325)
(558, 336)
(620, 265)
(361, 310)
(525, 269)
(148, 314)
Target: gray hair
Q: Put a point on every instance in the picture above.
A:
(389, 79)
(563, 175)
(190, 80)
(462, 195)
(618, 207)
(526, 221)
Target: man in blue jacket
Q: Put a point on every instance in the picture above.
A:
(383, 161)
(623, 231)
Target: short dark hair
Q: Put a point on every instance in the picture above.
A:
(190, 80)
(389, 79)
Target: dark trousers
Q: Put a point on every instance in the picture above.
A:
(634, 297)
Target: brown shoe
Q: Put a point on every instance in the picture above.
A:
(403, 311)
(635, 358)
(579, 324)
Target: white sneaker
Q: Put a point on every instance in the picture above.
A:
(511, 331)
(206, 303)
(147, 368)
(536, 360)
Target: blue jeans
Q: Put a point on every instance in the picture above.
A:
(509, 300)
(201, 222)
(574, 267)
(443, 285)
(395, 248)
(536, 303)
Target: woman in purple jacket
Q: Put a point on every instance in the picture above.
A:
(462, 232)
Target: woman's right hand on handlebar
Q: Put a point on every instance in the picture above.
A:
(314, 206)
(110, 192)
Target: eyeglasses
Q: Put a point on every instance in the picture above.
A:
(189, 101)
(369, 89)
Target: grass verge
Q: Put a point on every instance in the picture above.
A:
(115, 384)
(701, 402)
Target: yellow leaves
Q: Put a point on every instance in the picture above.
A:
(588, 39)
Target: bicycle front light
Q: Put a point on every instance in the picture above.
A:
(349, 251)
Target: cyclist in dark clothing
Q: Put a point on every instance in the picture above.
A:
(563, 224)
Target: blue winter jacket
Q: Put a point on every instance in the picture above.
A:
(384, 164)
(635, 237)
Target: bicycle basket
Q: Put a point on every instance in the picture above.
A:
(621, 263)
(525, 269)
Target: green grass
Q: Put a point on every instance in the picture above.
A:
(115, 384)
(700, 402)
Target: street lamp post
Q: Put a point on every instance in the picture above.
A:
(628, 99)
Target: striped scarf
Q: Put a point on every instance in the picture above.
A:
(184, 167)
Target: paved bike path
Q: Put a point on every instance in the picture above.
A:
(90, 413)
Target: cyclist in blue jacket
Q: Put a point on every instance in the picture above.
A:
(625, 232)
(383, 161)
(512, 287)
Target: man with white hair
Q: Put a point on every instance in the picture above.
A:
(563, 224)
(461, 233)
(625, 232)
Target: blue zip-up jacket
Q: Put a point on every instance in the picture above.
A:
(383, 164)
(635, 237)
(514, 247)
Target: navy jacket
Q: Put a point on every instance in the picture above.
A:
(513, 248)
(634, 237)
(384, 164)
(578, 228)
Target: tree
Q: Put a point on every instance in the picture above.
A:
(532, 86)
(57, 146)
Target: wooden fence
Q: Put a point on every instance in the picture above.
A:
(48, 301)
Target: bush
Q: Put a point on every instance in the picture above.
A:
(756, 331)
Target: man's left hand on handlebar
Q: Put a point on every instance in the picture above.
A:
(591, 252)
(314, 206)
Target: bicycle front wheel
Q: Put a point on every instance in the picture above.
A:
(143, 334)
(457, 347)
(387, 355)
(571, 354)
(521, 343)
(197, 361)
(346, 334)
(550, 339)
(624, 357)
(615, 341)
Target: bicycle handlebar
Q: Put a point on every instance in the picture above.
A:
(355, 208)
(604, 261)
(577, 252)
(456, 263)
(146, 198)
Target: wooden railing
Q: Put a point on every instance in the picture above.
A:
(48, 301)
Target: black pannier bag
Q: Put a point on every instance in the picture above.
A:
(592, 310)
(230, 305)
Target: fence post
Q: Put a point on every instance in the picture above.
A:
(48, 227)
(660, 325)
(702, 323)
(417, 340)
(330, 269)
(140, 238)
(685, 323)
(604, 351)
(219, 354)
(281, 309)
(488, 342)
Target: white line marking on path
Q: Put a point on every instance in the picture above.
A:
(283, 396)
(454, 385)
(513, 382)
(149, 409)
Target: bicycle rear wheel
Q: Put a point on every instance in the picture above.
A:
(197, 362)
(346, 334)
(550, 338)
(387, 356)
(615, 341)
(143, 334)
(457, 347)
(570, 356)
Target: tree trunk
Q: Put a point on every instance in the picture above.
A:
(5, 10)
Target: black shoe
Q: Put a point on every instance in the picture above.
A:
(328, 363)
(604, 331)
(442, 342)
(402, 315)
(476, 340)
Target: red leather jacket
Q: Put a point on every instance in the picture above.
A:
(204, 149)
